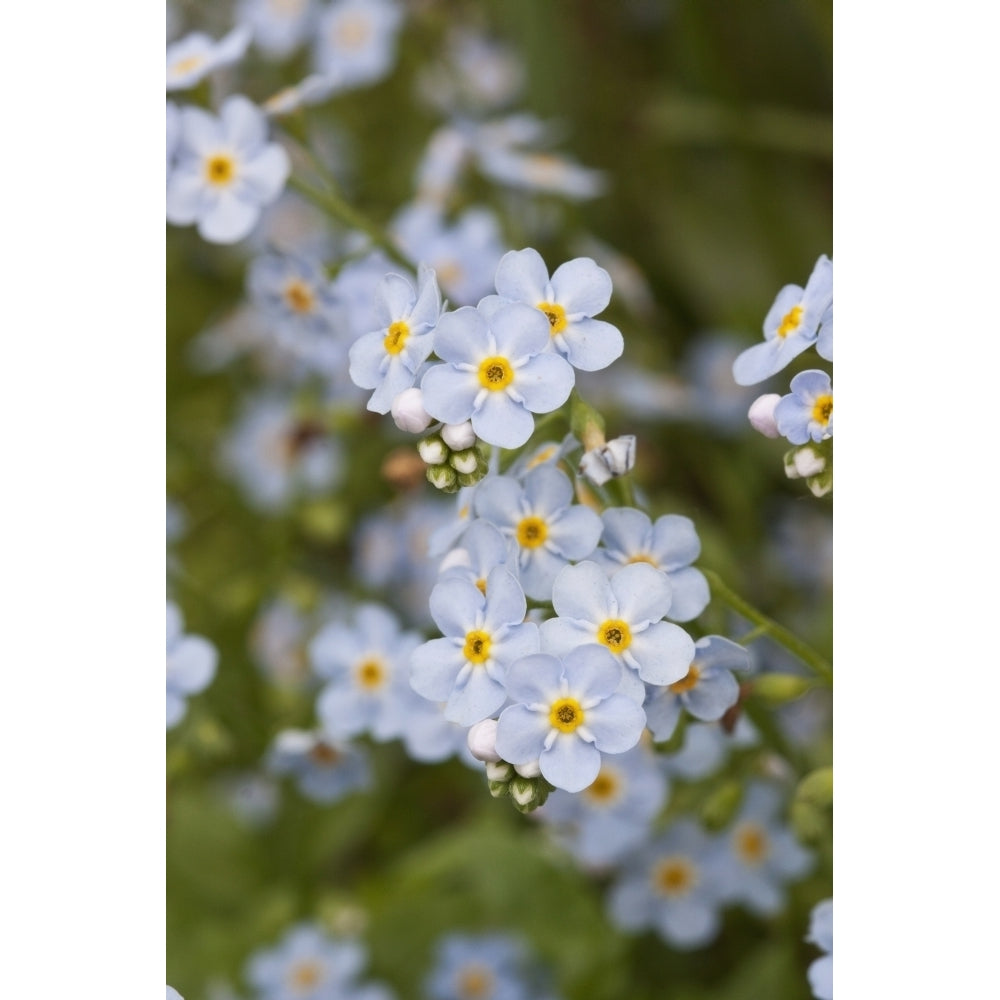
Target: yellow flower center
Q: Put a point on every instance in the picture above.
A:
(477, 646)
(352, 31)
(556, 316)
(566, 714)
(475, 983)
(481, 584)
(324, 754)
(395, 339)
(495, 374)
(643, 558)
(531, 532)
(822, 410)
(675, 876)
(299, 296)
(220, 169)
(305, 976)
(790, 321)
(606, 787)
(688, 682)
(370, 674)
(187, 65)
(615, 634)
(751, 844)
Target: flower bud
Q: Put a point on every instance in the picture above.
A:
(409, 413)
(801, 463)
(524, 792)
(465, 462)
(459, 436)
(433, 450)
(612, 459)
(762, 414)
(443, 477)
(529, 770)
(483, 741)
(499, 770)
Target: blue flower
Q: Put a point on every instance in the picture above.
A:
(611, 816)
(194, 56)
(356, 40)
(226, 171)
(482, 548)
(674, 886)
(366, 665)
(497, 373)
(622, 615)
(821, 934)
(487, 967)
(762, 854)
(790, 327)
(323, 769)
(566, 715)
(806, 413)
(708, 690)
(578, 290)
(544, 528)
(824, 342)
(670, 545)
(389, 358)
(482, 636)
(279, 26)
(191, 663)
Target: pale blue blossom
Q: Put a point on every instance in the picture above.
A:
(544, 528)
(566, 715)
(279, 26)
(820, 972)
(482, 635)
(225, 172)
(481, 549)
(389, 359)
(670, 545)
(577, 291)
(622, 614)
(790, 327)
(824, 342)
(487, 966)
(191, 664)
(324, 770)
(192, 58)
(707, 692)
(496, 373)
(355, 40)
(806, 413)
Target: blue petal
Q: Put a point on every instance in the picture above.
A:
(434, 667)
(643, 594)
(591, 671)
(521, 331)
(581, 286)
(393, 300)
(462, 337)
(617, 724)
(663, 653)
(522, 276)
(544, 382)
(591, 344)
(456, 606)
(675, 542)
(499, 420)
(570, 763)
(449, 394)
(535, 679)
(582, 592)
(505, 604)
(521, 734)
(690, 594)
(476, 700)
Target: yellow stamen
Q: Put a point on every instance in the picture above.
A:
(299, 296)
(751, 844)
(566, 714)
(643, 558)
(615, 634)
(675, 876)
(305, 976)
(531, 532)
(475, 983)
(477, 646)
(556, 316)
(543, 456)
(606, 787)
(220, 169)
(687, 682)
(370, 674)
(495, 374)
(790, 321)
(481, 584)
(823, 410)
(395, 339)
(188, 65)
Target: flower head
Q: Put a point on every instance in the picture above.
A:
(193, 57)
(806, 413)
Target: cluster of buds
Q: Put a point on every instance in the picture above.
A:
(523, 783)
(452, 453)
(814, 464)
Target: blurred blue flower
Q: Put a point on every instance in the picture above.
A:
(279, 26)
(565, 715)
(673, 886)
(806, 413)
(192, 58)
(323, 769)
(790, 327)
(191, 663)
(623, 615)
(355, 40)
(820, 972)
(578, 290)
(225, 172)
(484, 967)
(542, 525)
(496, 373)
(483, 635)
(708, 690)
(670, 545)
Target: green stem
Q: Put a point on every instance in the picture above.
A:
(333, 204)
(768, 626)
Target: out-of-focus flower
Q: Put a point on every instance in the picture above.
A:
(279, 26)
(191, 663)
(487, 967)
(193, 57)
(820, 972)
(355, 40)
(324, 769)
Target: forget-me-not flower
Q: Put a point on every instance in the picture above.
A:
(481, 550)
(388, 359)
(279, 26)
(544, 528)
(192, 58)
(806, 413)
(566, 715)
(790, 327)
(622, 614)
(191, 663)
(323, 769)
(484, 967)
(225, 172)
(483, 634)
(707, 691)
(670, 545)
(577, 291)
(355, 40)
(820, 972)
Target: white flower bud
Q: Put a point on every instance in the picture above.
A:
(761, 414)
(529, 770)
(459, 436)
(432, 450)
(808, 462)
(523, 791)
(409, 413)
(499, 771)
(465, 462)
(612, 459)
(483, 741)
